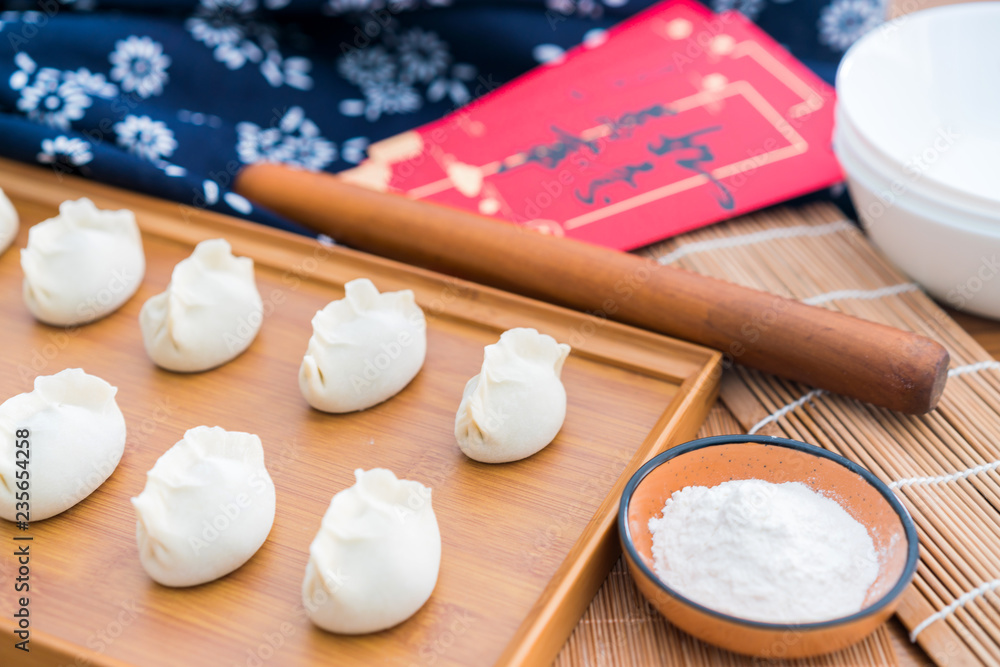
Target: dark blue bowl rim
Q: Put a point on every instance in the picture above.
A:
(909, 528)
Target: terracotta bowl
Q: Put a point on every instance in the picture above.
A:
(711, 461)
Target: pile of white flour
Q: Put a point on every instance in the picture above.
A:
(778, 553)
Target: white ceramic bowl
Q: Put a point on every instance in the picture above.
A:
(918, 136)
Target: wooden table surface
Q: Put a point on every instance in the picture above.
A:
(986, 332)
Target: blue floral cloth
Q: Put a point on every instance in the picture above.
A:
(171, 98)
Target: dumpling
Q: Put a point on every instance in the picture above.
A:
(207, 507)
(9, 222)
(82, 264)
(517, 403)
(376, 557)
(364, 349)
(72, 434)
(209, 315)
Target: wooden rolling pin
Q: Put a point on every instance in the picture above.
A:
(868, 361)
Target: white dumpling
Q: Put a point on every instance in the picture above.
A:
(207, 507)
(376, 557)
(210, 313)
(82, 264)
(364, 349)
(517, 403)
(9, 222)
(75, 439)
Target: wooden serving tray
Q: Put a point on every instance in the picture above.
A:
(525, 544)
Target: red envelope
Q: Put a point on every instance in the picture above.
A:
(670, 121)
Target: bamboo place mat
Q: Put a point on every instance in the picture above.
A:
(943, 465)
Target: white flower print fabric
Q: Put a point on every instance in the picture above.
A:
(295, 140)
(140, 66)
(843, 22)
(174, 97)
(397, 75)
(149, 139)
(70, 151)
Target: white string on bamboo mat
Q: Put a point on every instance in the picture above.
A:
(891, 290)
(961, 474)
(944, 479)
(784, 410)
(950, 609)
(960, 370)
(973, 368)
(755, 237)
